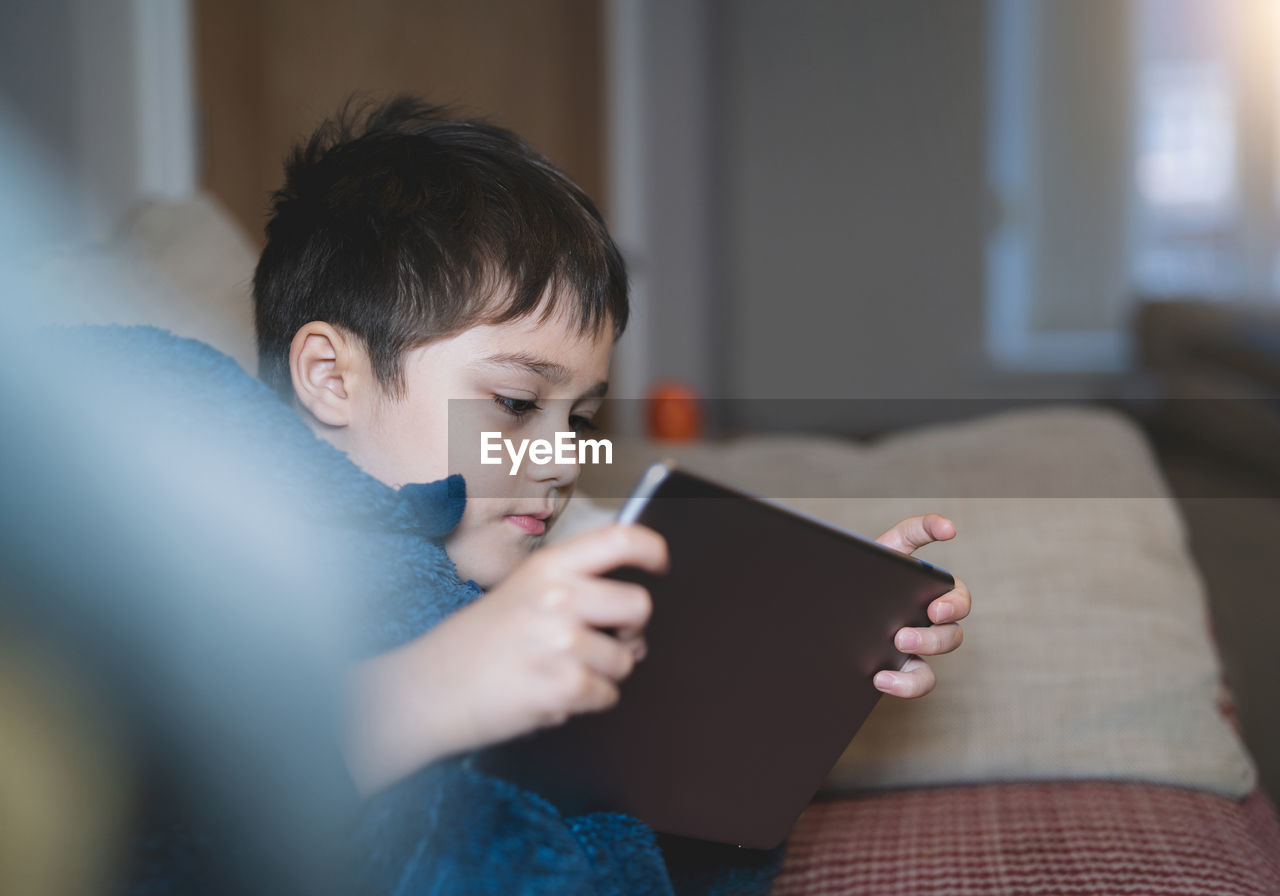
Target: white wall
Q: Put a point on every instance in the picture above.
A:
(853, 207)
(661, 177)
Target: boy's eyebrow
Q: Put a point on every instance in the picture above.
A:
(549, 370)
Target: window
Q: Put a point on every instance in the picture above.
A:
(1133, 157)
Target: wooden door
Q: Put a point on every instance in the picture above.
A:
(267, 71)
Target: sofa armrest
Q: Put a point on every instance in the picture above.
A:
(1215, 426)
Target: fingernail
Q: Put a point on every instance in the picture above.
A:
(885, 680)
(944, 612)
(909, 640)
(642, 651)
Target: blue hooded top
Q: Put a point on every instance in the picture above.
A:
(449, 829)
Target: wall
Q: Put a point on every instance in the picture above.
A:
(102, 86)
(836, 188)
(853, 197)
(270, 70)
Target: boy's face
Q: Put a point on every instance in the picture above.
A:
(527, 379)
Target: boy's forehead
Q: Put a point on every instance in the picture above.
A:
(555, 322)
(553, 347)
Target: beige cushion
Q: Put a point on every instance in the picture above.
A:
(1087, 654)
(181, 266)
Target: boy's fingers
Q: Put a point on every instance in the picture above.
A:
(915, 679)
(952, 606)
(598, 694)
(932, 641)
(604, 603)
(604, 549)
(918, 531)
(636, 644)
(604, 655)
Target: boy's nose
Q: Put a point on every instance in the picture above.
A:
(562, 469)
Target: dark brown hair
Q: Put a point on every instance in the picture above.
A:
(410, 225)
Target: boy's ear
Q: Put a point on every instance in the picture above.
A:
(325, 367)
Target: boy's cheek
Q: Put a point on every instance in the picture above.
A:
(485, 553)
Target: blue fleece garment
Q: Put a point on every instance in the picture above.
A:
(448, 829)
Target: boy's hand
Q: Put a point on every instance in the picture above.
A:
(916, 679)
(528, 654)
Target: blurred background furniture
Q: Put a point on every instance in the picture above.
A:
(1210, 402)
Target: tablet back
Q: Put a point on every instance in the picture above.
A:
(764, 638)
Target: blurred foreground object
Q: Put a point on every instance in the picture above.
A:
(180, 638)
(172, 624)
(64, 774)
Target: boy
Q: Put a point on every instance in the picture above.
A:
(410, 261)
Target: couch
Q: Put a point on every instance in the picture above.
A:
(1081, 741)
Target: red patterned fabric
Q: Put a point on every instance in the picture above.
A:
(1066, 839)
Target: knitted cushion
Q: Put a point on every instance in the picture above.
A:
(1083, 839)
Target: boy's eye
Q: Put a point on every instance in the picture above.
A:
(519, 407)
(582, 424)
(516, 407)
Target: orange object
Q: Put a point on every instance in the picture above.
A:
(674, 412)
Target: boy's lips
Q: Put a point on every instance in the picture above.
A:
(533, 523)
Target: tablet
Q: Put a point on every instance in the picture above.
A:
(765, 635)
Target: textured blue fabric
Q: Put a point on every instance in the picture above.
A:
(448, 829)
(437, 506)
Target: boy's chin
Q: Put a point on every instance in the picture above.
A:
(489, 564)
